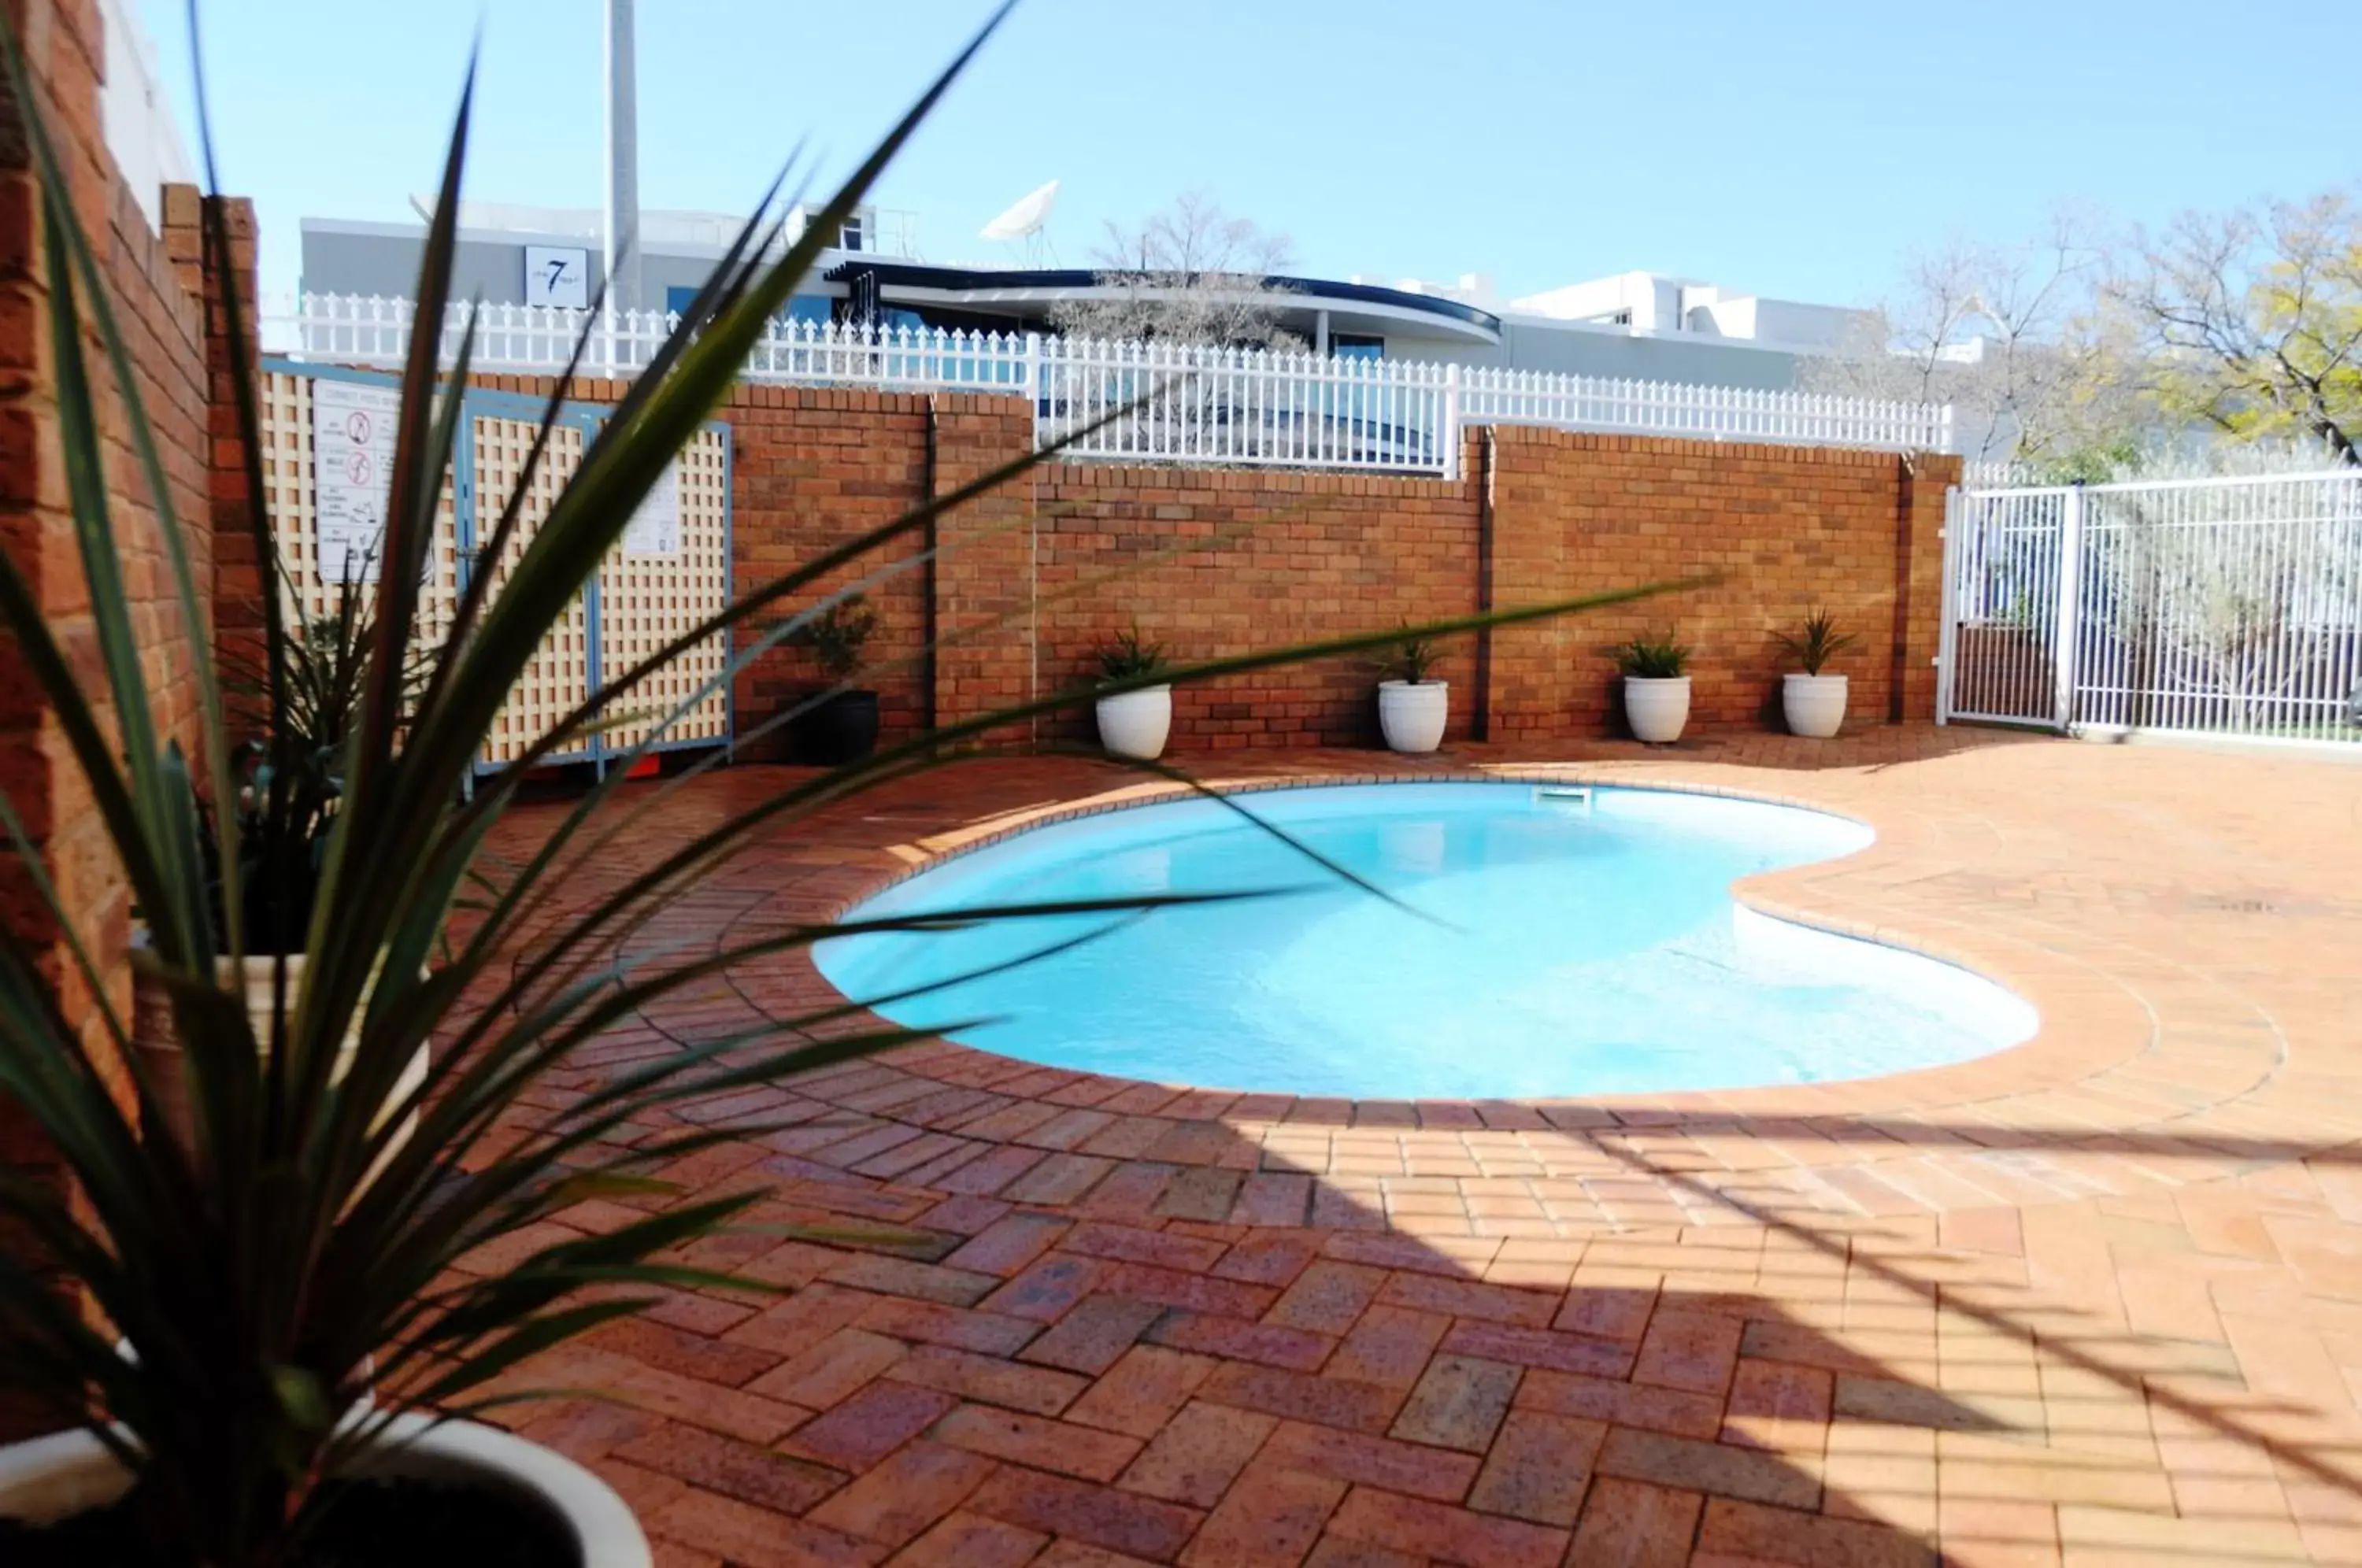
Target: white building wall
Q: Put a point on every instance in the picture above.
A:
(134, 115)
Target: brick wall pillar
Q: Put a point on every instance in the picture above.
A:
(165, 336)
(238, 575)
(812, 469)
(1919, 582)
(985, 571)
(1528, 665)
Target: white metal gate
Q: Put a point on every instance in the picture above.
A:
(2224, 607)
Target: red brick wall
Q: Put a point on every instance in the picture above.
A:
(812, 469)
(164, 333)
(238, 564)
(1786, 530)
(1214, 562)
(984, 570)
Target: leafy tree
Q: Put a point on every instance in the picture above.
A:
(2250, 322)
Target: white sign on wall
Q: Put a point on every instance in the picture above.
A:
(555, 275)
(352, 468)
(654, 527)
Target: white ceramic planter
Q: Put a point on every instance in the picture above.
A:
(56, 1477)
(1136, 724)
(153, 1037)
(1411, 713)
(1815, 705)
(1657, 706)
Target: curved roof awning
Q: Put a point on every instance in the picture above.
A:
(1031, 294)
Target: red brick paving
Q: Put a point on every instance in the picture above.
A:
(2095, 1299)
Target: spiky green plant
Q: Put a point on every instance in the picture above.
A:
(1652, 659)
(1411, 657)
(1818, 643)
(1127, 656)
(301, 1243)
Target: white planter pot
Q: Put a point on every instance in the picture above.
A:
(56, 1477)
(153, 1037)
(1815, 705)
(1411, 713)
(1657, 706)
(1135, 723)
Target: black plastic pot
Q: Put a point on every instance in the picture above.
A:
(843, 729)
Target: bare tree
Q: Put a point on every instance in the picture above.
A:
(1191, 273)
(2251, 322)
(1997, 332)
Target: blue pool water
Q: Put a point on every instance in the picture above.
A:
(1550, 946)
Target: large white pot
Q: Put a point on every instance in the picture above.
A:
(1135, 723)
(1657, 706)
(1815, 705)
(1411, 713)
(154, 1036)
(56, 1477)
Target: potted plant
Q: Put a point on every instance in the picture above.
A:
(1412, 708)
(1136, 720)
(292, 1355)
(294, 770)
(841, 726)
(1814, 703)
(304, 1306)
(1656, 688)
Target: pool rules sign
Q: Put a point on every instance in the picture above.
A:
(655, 526)
(352, 468)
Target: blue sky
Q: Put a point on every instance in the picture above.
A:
(1797, 151)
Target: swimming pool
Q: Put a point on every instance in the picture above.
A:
(1546, 941)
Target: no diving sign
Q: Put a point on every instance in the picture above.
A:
(352, 470)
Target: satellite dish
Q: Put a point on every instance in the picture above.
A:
(1025, 216)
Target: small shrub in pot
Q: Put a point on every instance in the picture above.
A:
(1413, 708)
(1814, 701)
(1137, 721)
(1656, 687)
(842, 725)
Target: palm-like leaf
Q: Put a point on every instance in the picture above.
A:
(309, 1227)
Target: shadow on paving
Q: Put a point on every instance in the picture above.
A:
(1039, 1351)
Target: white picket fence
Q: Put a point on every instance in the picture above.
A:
(2211, 607)
(1142, 401)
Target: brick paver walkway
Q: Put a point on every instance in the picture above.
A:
(2095, 1299)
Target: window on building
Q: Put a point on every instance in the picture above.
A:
(1356, 345)
(818, 309)
(849, 236)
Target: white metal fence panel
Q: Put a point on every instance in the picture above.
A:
(1719, 414)
(2226, 607)
(1161, 403)
(2221, 607)
(1164, 402)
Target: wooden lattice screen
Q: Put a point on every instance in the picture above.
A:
(648, 601)
(641, 600)
(287, 487)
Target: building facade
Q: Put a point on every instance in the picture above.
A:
(1637, 324)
